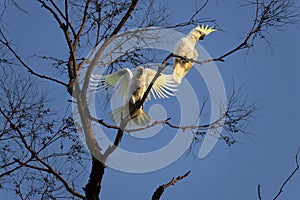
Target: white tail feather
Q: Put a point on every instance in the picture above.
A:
(140, 118)
(177, 78)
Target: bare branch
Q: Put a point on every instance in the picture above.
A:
(160, 190)
(18, 6)
(5, 42)
(290, 176)
(53, 12)
(258, 191)
(85, 13)
(198, 11)
(125, 18)
(49, 169)
(234, 120)
(276, 13)
(101, 121)
(64, 27)
(286, 180)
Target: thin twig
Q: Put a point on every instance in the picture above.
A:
(290, 176)
(285, 182)
(125, 18)
(198, 11)
(30, 70)
(48, 169)
(258, 191)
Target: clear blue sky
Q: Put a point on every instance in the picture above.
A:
(269, 75)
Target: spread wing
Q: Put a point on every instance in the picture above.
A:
(163, 87)
(118, 80)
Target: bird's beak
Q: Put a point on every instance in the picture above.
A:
(202, 37)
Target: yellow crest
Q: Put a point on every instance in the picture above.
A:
(205, 29)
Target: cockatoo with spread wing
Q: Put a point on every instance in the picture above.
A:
(185, 47)
(131, 88)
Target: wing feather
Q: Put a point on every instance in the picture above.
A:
(118, 80)
(163, 87)
(123, 85)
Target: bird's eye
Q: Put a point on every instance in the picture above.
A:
(201, 37)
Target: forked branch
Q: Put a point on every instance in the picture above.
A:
(290, 176)
(285, 182)
(6, 43)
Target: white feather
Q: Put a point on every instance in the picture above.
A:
(185, 47)
(132, 86)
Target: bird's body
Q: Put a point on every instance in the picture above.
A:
(132, 88)
(185, 47)
(137, 86)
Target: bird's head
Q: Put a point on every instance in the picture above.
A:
(200, 32)
(139, 71)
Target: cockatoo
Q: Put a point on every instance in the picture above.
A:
(131, 88)
(185, 47)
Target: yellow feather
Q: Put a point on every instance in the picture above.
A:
(139, 118)
(180, 70)
(188, 66)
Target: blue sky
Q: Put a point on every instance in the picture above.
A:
(271, 75)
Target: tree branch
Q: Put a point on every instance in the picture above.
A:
(290, 176)
(85, 14)
(30, 70)
(198, 11)
(259, 193)
(273, 14)
(125, 18)
(48, 169)
(286, 180)
(145, 95)
(66, 16)
(160, 190)
(72, 58)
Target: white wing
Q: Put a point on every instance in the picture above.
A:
(119, 79)
(163, 87)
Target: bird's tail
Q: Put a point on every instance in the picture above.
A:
(139, 119)
(179, 70)
(177, 77)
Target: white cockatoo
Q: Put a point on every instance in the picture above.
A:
(185, 47)
(132, 87)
